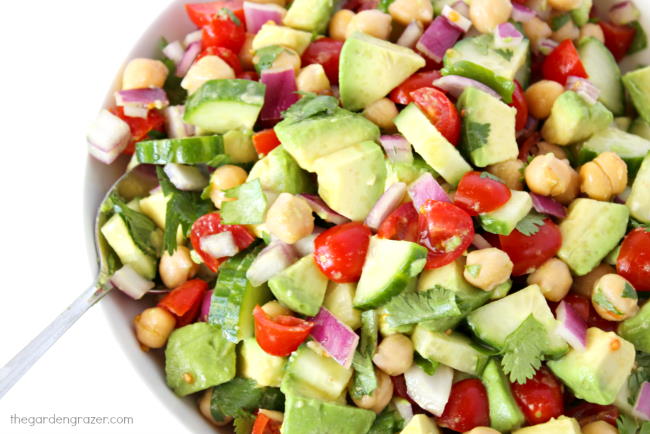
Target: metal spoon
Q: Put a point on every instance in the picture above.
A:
(136, 182)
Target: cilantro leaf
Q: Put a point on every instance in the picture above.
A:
(172, 86)
(637, 224)
(559, 21)
(415, 307)
(266, 56)
(387, 422)
(628, 425)
(310, 105)
(475, 135)
(488, 175)
(243, 424)
(601, 300)
(364, 381)
(142, 229)
(531, 223)
(640, 41)
(473, 269)
(230, 14)
(639, 375)
(240, 396)
(523, 350)
(428, 366)
(506, 54)
(629, 292)
(250, 206)
(384, 4)
(219, 160)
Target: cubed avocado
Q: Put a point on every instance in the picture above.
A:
(279, 172)
(590, 231)
(307, 416)
(420, 424)
(198, 357)
(573, 119)
(597, 373)
(369, 68)
(454, 350)
(641, 128)
(301, 287)
(352, 179)
(309, 15)
(637, 83)
(257, 364)
(272, 34)
(154, 206)
(117, 234)
(406, 172)
(561, 425)
(238, 145)
(639, 200)
(580, 15)
(505, 414)
(631, 148)
(338, 300)
(637, 329)
(488, 128)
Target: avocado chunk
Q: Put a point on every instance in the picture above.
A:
(561, 425)
(307, 416)
(597, 373)
(272, 34)
(238, 145)
(257, 364)
(427, 141)
(604, 73)
(352, 179)
(641, 128)
(637, 329)
(637, 83)
(406, 172)
(589, 232)
(488, 128)
(279, 172)
(309, 15)
(301, 287)
(198, 357)
(631, 148)
(339, 300)
(371, 67)
(580, 15)
(420, 424)
(505, 414)
(504, 219)
(573, 119)
(117, 235)
(454, 350)
(639, 200)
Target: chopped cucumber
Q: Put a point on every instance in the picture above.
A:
(257, 364)
(505, 414)
(631, 148)
(454, 350)
(580, 15)
(604, 73)
(641, 128)
(188, 150)
(116, 233)
(503, 220)
(639, 200)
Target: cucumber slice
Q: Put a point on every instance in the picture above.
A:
(639, 200)
(604, 73)
(505, 414)
(631, 148)
(641, 128)
(116, 233)
(580, 15)
(188, 150)
(454, 350)
(390, 265)
(503, 220)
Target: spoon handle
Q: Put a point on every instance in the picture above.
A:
(16, 367)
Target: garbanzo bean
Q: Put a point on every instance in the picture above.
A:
(290, 218)
(224, 178)
(599, 427)
(568, 31)
(380, 398)
(141, 73)
(273, 308)
(394, 354)
(338, 27)
(584, 285)
(177, 268)
(541, 96)
(536, 29)
(205, 69)
(614, 298)
(153, 327)
(204, 407)
(553, 278)
(604, 176)
(572, 190)
(312, 78)
(564, 5)
(382, 112)
(372, 22)
(592, 30)
(482, 430)
(406, 11)
(548, 175)
(487, 268)
(544, 148)
(511, 172)
(487, 14)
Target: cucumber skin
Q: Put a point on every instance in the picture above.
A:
(189, 150)
(616, 104)
(633, 163)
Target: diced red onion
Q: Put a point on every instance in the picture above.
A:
(174, 125)
(507, 36)
(545, 46)
(338, 340)
(272, 260)
(147, 97)
(108, 132)
(454, 85)
(480, 243)
(305, 246)
(461, 7)
(130, 282)
(189, 56)
(642, 405)
(410, 35)
(584, 88)
(205, 306)
(325, 212)
(186, 178)
(571, 327)
(547, 205)
(426, 188)
(440, 36)
(174, 51)
(155, 190)
(106, 157)
(258, 14)
(397, 148)
(133, 111)
(386, 204)
(220, 245)
(431, 392)
(404, 408)
(531, 126)
(192, 37)
(521, 13)
(280, 92)
(456, 19)
(624, 12)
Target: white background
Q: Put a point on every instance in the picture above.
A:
(58, 60)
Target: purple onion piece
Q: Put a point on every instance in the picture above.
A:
(480, 243)
(323, 210)
(521, 13)
(426, 188)
(280, 92)
(386, 204)
(454, 85)
(440, 36)
(456, 19)
(642, 404)
(583, 87)
(129, 281)
(258, 14)
(338, 340)
(507, 36)
(397, 148)
(148, 97)
(572, 328)
(174, 51)
(547, 205)
(461, 7)
(192, 51)
(623, 13)
(546, 46)
(205, 306)
(108, 132)
(272, 260)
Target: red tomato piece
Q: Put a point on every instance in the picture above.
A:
(202, 13)
(222, 31)
(226, 54)
(265, 425)
(341, 251)
(360, 5)
(539, 398)
(440, 111)
(185, 301)
(446, 230)
(519, 103)
(528, 145)
(401, 224)
(562, 62)
(586, 412)
(282, 335)
(140, 127)
(402, 93)
(527, 252)
(617, 38)
(324, 51)
(265, 141)
(585, 309)
(477, 194)
(248, 75)
(467, 407)
(210, 224)
(634, 259)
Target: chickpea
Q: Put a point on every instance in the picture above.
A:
(541, 96)
(153, 327)
(177, 268)
(339, 24)
(584, 285)
(599, 427)
(568, 31)
(487, 14)
(510, 171)
(487, 268)
(287, 59)
(564, 5)
(372, 22)
(544, 148)
(290, 218)
(536, 30)
(614, 298)
(312, 78)
(246, 52)
(603, 177)
(380, 398)
(382, 112)
(204, 407)
(273, 308)
(394, 354)
(140, 73)
(224, 178)
(592, 30)
(548, 175)
(406, 11)
(553, 278)
(572, 191)
(482, 430)
(205, 69)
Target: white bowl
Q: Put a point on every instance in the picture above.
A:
(172, 23)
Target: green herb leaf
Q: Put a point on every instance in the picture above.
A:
(219, 160)
(143, 230)
(172, 86)
(264, 57)
(228, 13)
(559, 21)
(488, 175)
(640, 374)
(156, 135)
(414, 307)
(364, 381)
(249, 208)
(524, 349)
(428, 366)
(310, 105)
(640, 41)
(628, 425)
(387, 422)
(531, 223)
(601, 300)
(473, 269)
(629, 292)
(244, 424)
(506, 54)
(384, 4)
(476, 135)
(240, 396)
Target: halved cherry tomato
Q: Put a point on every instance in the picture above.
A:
(248, 75)
(265, 141)
(527, 252)
(140, 127)
(341, 251)
(401, 224)
(519, 103)
(226, 54)
(440, 111)
(202, 13)
(185, 301)
(282, 335)
(467, 407)
(222, 31)
(446, 230)
(477, 194)
(265, 425)
(325, 51)
(539, 398)
(360, 5)
(528, 145)
(586, 412)
(618, 38)
(562, 62)
(210, 224)
(402, 93)
(634, 259)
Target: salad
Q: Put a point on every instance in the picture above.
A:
(392, 216)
